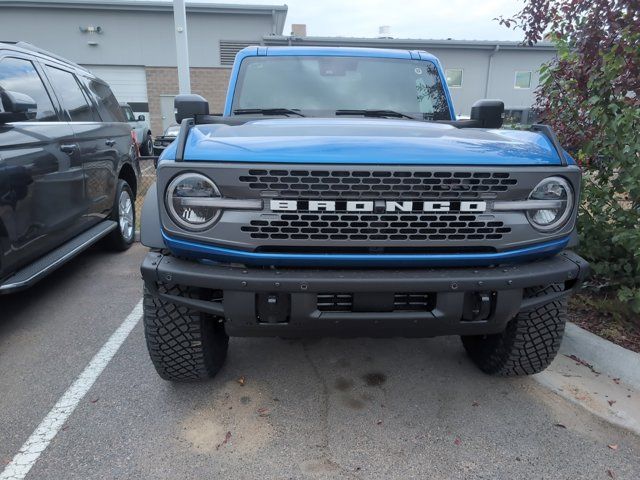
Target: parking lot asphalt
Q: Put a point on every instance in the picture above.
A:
(281, 409)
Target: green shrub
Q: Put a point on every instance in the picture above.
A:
(590, 95)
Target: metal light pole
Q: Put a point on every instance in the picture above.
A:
(182, 46)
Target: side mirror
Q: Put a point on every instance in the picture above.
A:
(188, 106)
(488, 113)
(17, 107)
(141, 118)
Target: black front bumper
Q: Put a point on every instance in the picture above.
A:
(284, 302)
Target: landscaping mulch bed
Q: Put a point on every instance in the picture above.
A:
(607, 318)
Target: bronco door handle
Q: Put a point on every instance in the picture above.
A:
(69, 148)
(110, 142)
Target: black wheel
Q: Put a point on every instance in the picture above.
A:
(146, 147)
(529, 343)
(183, 344)
(124, 212)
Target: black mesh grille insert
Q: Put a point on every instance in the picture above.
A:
(414, 302)
(388, 184)
(335, 302)
(405, 301)
(376, 227)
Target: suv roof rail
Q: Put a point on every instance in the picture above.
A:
(42, 51)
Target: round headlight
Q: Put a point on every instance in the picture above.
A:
(559, 196)
(187, 204)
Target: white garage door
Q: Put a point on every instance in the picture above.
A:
(129, 84)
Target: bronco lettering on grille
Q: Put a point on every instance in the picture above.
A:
(278, 205)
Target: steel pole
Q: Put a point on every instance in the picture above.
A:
(182, 46)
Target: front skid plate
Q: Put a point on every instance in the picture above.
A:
(453, 287)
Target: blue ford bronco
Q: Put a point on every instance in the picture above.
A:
(337, 195)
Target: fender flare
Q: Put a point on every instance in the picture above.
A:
(150, 226)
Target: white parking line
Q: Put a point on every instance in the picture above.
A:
(39, 440)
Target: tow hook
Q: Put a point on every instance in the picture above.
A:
(477, 306)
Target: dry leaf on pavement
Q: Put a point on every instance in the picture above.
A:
(580, 361)
(227, 437)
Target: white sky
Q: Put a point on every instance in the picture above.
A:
(433, 19)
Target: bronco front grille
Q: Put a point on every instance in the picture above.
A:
(376, 184)
(403, 209)
(376, 227)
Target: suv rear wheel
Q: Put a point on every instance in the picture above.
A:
(146, 148)
(124, 212)
(529, 343)
(183, 344)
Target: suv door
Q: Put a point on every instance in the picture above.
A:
(40, 184)
(120, 146)
(97, 158)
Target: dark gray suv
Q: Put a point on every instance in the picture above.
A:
(68, 165)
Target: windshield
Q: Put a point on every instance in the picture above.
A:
(319, 86)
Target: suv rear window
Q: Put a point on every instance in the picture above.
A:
(319, 85)
(107, 104)
(19, 75)
(71, 95)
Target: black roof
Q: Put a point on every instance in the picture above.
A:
(33, 49)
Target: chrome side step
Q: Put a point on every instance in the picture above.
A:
(37, 270)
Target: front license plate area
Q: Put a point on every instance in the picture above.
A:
(373, 302)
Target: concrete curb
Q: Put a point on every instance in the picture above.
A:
(605, 379)
(605, 356)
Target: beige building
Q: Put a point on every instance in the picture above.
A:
(131, 44)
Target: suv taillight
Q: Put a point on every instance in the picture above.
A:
(134, 140)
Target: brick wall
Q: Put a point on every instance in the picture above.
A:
(211, 83)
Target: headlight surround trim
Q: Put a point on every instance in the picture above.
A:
(560, 219)
(176, 217)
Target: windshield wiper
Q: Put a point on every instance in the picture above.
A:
(375, 113)
(267, 111)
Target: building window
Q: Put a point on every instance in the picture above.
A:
(454, 77)
(523, 80)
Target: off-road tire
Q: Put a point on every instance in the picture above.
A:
(184, 345)
(528, 344)
(119, 239)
